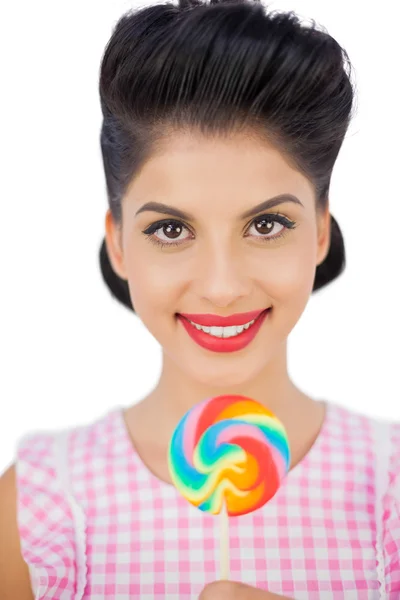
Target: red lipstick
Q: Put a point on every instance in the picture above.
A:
(216, 321)
(218, 344)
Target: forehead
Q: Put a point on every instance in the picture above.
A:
(237, 170)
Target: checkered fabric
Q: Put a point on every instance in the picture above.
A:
(96, 524)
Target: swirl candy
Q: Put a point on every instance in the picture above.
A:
(229, 453)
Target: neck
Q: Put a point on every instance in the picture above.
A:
(175, 394)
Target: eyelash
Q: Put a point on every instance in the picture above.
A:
(272, 218)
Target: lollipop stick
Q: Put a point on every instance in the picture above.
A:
(224, 522)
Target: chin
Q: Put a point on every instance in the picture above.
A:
(224, 379)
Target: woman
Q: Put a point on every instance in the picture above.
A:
(222, 125)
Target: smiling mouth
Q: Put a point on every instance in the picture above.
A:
(226, 332)
(229, 338)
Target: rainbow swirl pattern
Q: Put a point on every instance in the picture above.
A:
(229, 449)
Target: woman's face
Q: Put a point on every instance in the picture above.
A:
(196, 240)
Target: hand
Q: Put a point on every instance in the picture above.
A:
(229, 590)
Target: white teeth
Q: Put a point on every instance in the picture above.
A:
(217, 331)
(224, 332)
(230, 331)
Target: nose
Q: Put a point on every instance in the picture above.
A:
(222, 279)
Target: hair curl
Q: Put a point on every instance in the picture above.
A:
(218, 68)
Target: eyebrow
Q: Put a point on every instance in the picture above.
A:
(180, 214)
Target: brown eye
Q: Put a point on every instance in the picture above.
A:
(265, 226)
(172, 231)
(168, 232)
(270, 227)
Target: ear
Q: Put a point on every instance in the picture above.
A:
(113, 239)
(324, 234)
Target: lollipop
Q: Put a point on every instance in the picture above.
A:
(228, 455)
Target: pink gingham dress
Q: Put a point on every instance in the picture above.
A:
(96, 524)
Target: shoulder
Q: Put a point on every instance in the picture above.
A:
(370, 445)
(387, 449)
(45, 520)
(393, 430)
(359, 430)
(14, 573)
(386, 439)
(388, 501)
(373, 447)
(51, 519)
(388, 444)
(45, 514)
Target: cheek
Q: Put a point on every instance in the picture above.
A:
(289, 274)
(151, 284)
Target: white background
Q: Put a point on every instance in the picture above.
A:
(69, 352)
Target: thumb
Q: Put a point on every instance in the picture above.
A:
(218, 590)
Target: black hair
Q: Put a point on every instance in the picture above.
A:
(216, 68)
